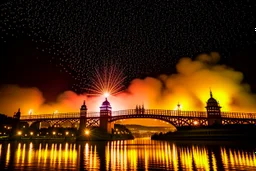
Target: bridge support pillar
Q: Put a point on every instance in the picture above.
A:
(83, 117)
(105, 114)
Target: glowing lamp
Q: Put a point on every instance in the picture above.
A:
(30, 112)
(195, 122)
(19, 132)
(87, 132)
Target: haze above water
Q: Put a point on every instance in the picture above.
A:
(144, 154)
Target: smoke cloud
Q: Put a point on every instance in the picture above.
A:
(189, 87)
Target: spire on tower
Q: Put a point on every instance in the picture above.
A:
(178, 104)
(83, 107)
(210, 92)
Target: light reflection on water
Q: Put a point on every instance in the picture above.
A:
(135, 154)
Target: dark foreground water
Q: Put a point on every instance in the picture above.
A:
(138, 154)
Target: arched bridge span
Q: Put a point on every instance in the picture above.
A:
(174, 117)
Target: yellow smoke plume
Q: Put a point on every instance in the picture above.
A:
(190, 86)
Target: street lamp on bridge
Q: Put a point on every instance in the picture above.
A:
(30, 112)
(87, 132)
(178, 106)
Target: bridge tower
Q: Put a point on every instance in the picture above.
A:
(83, 117)
(16, 116)
(105, 114)
(16, 123)
(213, 111)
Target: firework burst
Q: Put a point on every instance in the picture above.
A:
(107, 80)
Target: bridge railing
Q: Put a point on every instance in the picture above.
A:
(160, 112)
(50, 116)
(58, 115)
(93, 114)
(177, 113)
(238, 115)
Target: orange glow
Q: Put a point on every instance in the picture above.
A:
(189, 86)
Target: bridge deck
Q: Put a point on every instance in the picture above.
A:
(151, 112)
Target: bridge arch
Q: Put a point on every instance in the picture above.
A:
(176, 121)
(145, 122)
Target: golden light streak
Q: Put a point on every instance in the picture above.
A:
(74, 155)
(51, 154)
(18, 153)
(45, 153)
(186, 158)
(23, 154)
(30, 152)
(239, 159)
(95, 161)
(121, 155)
(214, 162)
(66, 154)
(55, 153)
(200, 156)
(8, 155)
(0, 150)
(39, 153)
(90, 157)
(60, 155)
(175, 157)
(107, 152)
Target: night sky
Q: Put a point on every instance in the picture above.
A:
(55, 45)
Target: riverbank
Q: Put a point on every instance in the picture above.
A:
(92, 134)
(108, 137)
(97, 134)
(211, 133)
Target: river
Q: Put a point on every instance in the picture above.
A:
(138, 154)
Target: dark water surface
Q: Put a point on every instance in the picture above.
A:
(138, 154)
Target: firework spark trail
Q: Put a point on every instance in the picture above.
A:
(106, 79)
